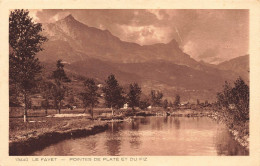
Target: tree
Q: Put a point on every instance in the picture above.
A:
(237, 96)
(156, 98)
(177, 101)
(90, 95)
(198, 102)
(133, 96)
(144, 104)
(25, 41)
(165, 104)
(59, 90)
(46, 88)
(240, 95)
(225, 97)
(113, 93)
(71, 101)
(13, 96)
(206, 103)
(171, 104)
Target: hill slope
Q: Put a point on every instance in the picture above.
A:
(239, 65)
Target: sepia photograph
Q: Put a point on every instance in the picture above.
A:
(129, 82)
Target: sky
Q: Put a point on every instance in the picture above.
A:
(213, 36)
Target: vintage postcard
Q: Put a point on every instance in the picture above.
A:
(130, 83)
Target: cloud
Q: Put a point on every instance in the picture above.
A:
(211, 52)
(33, 14)
(223, 32)
(59, 16)
(145, 35)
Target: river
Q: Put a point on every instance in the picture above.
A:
(153, 136)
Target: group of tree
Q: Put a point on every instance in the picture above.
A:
(235, 100)
(114, 94)
(176, 104)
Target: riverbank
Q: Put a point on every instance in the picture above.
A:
(191, 113)
(239, 130)
(24, 138)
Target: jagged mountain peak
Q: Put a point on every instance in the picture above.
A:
(69, 17)
(173, 42)
(69, 20)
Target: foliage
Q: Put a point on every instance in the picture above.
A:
(90, 95)
(59, 74)
(225, 97)
(156, 98)
(198, 102)
(144, 104)
(235, 100)
(59, 90)
(165, 104)
(170, 104)
(177, 100)
(71, 100)
(25, 41)
(13, 96)
(47, 92)
(113, 93)
(133, 96)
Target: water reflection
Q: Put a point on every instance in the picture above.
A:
(156, 124)
(159, 136)
(135, 140)
(113, 141)
(135, 125)
(177, 123)
(91, 144)
(226, 146)
(145, 121)
(113, 146)
(165, 120)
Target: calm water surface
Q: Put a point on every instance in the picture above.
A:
(153, 136)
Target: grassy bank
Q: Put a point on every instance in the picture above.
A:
(24, 138)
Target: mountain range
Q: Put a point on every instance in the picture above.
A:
(91, 52)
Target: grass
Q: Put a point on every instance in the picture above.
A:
(19, 130)
(17, 112)
(24, 138)
(39, 124)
